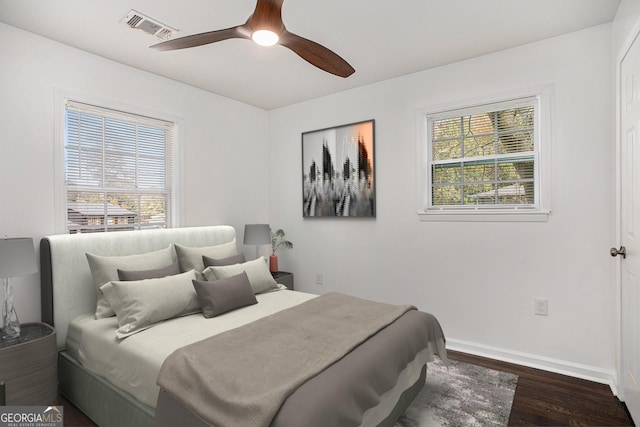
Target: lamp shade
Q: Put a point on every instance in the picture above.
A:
(17, 257)
(257, 234)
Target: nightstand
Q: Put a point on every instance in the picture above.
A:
(284, 278)
(29, 366)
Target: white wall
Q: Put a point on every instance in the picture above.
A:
(479, 279)
(224, 144)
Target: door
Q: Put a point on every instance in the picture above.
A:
(629, 135)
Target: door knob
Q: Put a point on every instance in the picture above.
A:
(622, 251)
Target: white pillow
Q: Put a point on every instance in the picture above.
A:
(257, 271)
(190, 258)
(139, 304)
(104, 269)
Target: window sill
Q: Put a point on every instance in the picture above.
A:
(484, 216)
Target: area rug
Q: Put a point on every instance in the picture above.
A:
(461, 394)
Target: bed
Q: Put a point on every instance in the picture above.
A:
(146, 377)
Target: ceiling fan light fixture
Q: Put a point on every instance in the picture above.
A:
(265, 37)
(266, 28)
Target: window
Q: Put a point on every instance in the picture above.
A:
(118, 170)
(483, 162)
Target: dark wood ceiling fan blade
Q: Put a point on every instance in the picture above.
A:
(316, 54)
(194, 40)
(268, 16)
(267, 12)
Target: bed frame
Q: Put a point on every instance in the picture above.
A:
(67, 291)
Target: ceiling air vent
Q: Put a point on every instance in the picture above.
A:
(135, 19)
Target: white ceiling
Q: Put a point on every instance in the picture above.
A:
(381, 39)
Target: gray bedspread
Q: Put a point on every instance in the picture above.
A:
(242, 377)
(347, 389)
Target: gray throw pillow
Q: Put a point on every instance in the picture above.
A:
(224, 295)
(190, 258)
(169, 270)
(235, 259)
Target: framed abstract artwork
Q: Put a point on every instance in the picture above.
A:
(338, 172)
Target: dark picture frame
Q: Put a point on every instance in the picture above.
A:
(338, 171)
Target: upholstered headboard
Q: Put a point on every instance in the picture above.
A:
(67, 288)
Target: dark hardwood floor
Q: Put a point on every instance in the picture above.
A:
(546, 399)
(73, 416)
(542, 399)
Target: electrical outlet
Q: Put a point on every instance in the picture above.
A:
(318, 278)
(541, 306)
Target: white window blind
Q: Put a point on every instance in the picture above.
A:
(485, 157)
(118, 169)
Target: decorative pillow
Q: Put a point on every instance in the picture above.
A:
(105, 269)
(140, 304)
(235, 259)
(224, 295)
(191, 258)
(169, 270)
(257, 271)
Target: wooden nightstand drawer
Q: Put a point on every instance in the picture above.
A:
(28, 366)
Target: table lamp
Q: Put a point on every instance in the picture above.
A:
(17, 258)
(257, 234)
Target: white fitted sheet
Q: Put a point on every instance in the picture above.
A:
(132, 364)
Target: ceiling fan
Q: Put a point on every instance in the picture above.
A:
(266, 28)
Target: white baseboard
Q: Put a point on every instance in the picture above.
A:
(586, 372)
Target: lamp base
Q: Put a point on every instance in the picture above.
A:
(11, 326)
(10, 320)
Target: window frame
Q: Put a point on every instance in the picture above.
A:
(542, 176)
(63, 96)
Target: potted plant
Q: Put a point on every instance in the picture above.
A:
(277, 240)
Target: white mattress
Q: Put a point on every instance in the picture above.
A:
(132, 364)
